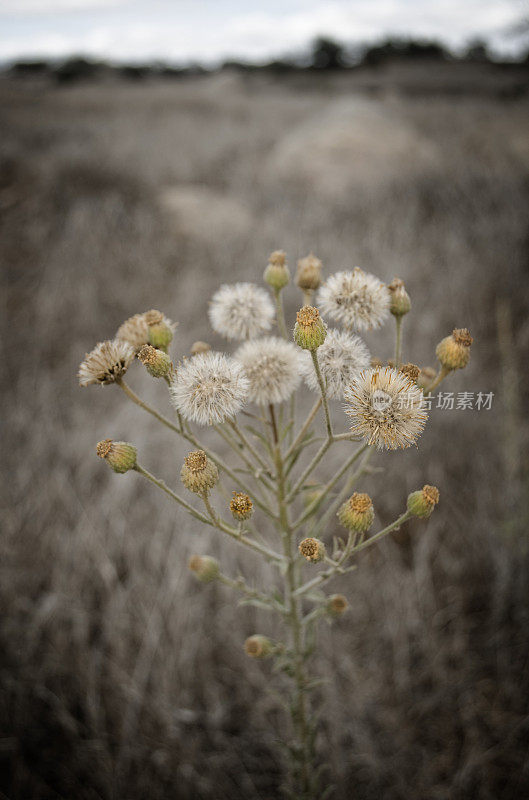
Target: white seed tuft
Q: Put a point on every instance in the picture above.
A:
(272, 367)
(341, 357)
(107, 362)
(356, 299)
(241, 311)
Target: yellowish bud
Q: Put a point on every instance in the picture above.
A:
(204, 568)
(241, 506)
(200, 347)
(156, 362)
(453, 352)
(336, 605)
(423, 502)
(277, 274)
(310, 330)
(120, 456)
(312, 549)
(258, 646)
(400, 299)
(308, 274)
(357, 513)
(198, 473)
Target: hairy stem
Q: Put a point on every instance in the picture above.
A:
(314, 354)
(304, 428)
(398, 341)
(281, 324)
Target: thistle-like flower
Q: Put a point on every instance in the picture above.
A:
(386, 407)
(341, 357)
(198, 473)
(357, 299)
(107, 362)
(241, 311)
(272, 367)
(241, 506)
(149, 327)
(453, 352)
(209, 388)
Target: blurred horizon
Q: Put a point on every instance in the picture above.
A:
(209, 32)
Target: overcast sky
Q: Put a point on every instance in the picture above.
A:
(210, 30)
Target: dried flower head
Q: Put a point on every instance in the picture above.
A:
(341, 357)
(120, 456)
(357, 299)
(156, 362)
(277, 274)
(308, 274)
(423, 502)
(386, 407)
(204, 568)
(453, 352)
(336, 605)
(411, 370)
(310, 330)
(107, 362)
(258, 646)
(400, 299)
(312, 549)
(209, 388)
(272, 368)
(357, 513)
(136, 329)
(198, 473)
(199, 347)
(241, 311)
(241, 506)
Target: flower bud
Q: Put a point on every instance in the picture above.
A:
(156, 362)
(160, 335)
(200, 347)
(241, 506)
(411, 371)
(310, 330)
(308, 274)
(336, 605)
(312, 549)
(422, 503)
(453, 352)
(205, 568)
(198, 473)
(376, 362)
(400, 302)
(426, 376)
(120, 456)
(357, 513)
(277, 274)
(258, 646)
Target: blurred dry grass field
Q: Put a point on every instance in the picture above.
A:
(120, 677)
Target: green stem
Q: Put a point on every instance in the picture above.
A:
(234, 533)
(249, 445)
(304, 428)
(441, 375)
(315, 461)
(240, 585)
(281, 324)
(398, 341)
(163, 486)
(314, 354)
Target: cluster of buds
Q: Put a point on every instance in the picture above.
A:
(277, 274)
(198, 473)
(357, 513)
(120, 456)
(310, 330)
(422, 503)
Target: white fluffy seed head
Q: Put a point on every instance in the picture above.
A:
(241, 311)
(107, 362)
(356, 299)
(386, 408)
(209, 388)
(272, 367)
(341, 357)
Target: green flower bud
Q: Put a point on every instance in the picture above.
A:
(357, 513)
(277, 274)
(205, 568)
(453, 352)
(400, 299)
(336, 605)
(422, 503)
(310, 330)
(120, 456)
(198, 473)
(160, 335)
(312, 549)
(258, 646)
(308, 275)
(156, 362)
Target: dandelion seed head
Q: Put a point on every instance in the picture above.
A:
(356, 299)
(386, 408)
(241, 311)
(341, 357)
(107, 362)
(209, 388)
(272, 368)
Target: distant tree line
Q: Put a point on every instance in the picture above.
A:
(325, 54)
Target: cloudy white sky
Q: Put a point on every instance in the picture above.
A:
(210, 30)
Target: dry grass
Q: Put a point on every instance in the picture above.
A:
(120, 677)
